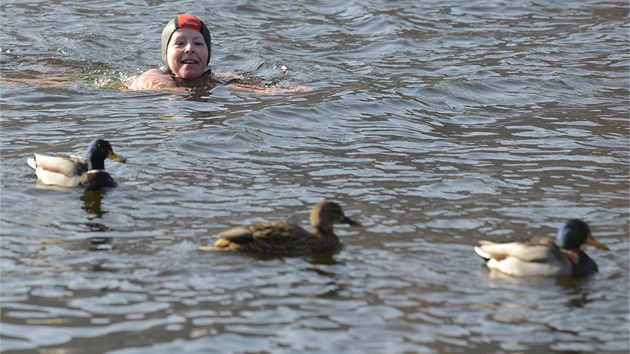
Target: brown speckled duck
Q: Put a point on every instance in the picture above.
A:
(281, 238)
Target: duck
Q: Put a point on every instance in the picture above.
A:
(283, 238)
(76, 171)
(542, 256)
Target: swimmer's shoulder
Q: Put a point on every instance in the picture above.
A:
(153, 79)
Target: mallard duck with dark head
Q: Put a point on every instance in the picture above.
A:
(74, 171)
(540, 256)
(282, 238)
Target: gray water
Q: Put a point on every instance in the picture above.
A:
(433, 123)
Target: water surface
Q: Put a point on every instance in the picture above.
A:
(433, 123)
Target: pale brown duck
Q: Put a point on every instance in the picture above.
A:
(282, 238)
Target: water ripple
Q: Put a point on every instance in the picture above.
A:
(433, 123)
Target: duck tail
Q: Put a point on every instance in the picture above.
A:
(31, 162)
(482, 254)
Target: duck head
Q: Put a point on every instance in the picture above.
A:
(574, 233)
(325, 214)
(98, 151)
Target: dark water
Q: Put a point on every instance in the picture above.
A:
(434, 123)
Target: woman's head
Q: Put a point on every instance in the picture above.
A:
(186, 46)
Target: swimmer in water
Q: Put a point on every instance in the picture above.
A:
(186, 50)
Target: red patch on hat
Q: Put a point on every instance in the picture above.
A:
(188, 21)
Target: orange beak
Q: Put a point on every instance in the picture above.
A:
(590, 240)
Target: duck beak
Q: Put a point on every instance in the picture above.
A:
(347, 220)
(590, 240)
(112, 155)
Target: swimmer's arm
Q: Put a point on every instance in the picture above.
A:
(238, 82)
(270, 90)
(153, 79)
(226, 77)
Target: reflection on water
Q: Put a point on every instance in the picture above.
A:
(440, 123)
(92, 200)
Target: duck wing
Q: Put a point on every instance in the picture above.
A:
(66, 171)
(536, 257)
(270, 237)
(239, 234)
(66, 165)
(268, 231)
(525, 251)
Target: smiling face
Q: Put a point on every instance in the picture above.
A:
(187, 53)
